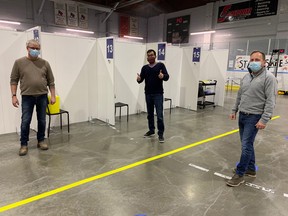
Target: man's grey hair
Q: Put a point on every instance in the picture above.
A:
(32, 41)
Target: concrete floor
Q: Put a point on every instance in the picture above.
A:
(183, 182)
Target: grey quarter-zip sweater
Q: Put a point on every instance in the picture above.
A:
(257, 94)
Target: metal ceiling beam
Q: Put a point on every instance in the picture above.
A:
(132, 2)
(112, 10)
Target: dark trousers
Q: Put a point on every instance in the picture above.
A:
(28, 103)
(155, 100)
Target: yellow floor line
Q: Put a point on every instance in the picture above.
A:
(93, 178)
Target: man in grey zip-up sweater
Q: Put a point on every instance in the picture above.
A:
(255, 103)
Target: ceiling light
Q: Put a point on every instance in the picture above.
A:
(204, 32)
(81, 31)
(10, 22)
(132, 37)
(223, 35)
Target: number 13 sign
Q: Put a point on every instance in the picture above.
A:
(196, 54)
(109, 48)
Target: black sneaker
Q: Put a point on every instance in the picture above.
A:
(149, 134)
(161, 139)
(249, 173)
(235, 181)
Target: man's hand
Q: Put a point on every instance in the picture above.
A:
(15, 101)
(52, 100)
(138, 77)
(260, 125)
(161, 75)
(232, 116)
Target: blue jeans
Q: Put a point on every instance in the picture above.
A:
(157, 101)
(248, 131)
(28, 103)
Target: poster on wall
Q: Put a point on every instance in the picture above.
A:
(133, 26)
(178, 30)
(124, 25)
(83, 17)
(60, 13)
(161, 52)
(247, 10)
(72, 15)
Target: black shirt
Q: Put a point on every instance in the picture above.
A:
(153, 84)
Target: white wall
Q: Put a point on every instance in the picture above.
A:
(129, 59)
(104, 84)
(213, 67)
(71, 65)
(12, 48)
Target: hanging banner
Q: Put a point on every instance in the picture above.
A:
(161, 52)
(83, 17)
(241, 62)
(124, 26)
(133, 26)
(109, 48)
(196, 54)
(247, 10)
(72, 15)
(60, 13)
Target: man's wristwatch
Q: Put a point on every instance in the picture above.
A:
(13, 95)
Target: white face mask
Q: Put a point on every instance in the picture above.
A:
(34, 53)
(255, 66)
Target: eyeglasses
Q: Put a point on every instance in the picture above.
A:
(35, 48)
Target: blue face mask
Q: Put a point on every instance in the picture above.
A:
(255, 66)
(34, 53)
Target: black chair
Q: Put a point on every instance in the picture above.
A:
(120, 105)
(169, 99)
(58, 113)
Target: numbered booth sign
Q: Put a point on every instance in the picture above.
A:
(109, 48)
(161, 52)
(196, 54)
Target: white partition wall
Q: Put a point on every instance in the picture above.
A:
(13, 46)
(173, 64)
(104, 84)
(129, 58)
(71, 62)
(189, 80)
(89, 84)
(213, 66)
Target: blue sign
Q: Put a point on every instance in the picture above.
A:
(196, 54)
(161, 52)
(109, 48)
(36, 34)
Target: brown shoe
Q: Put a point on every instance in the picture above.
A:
(42, 145)
(23, 150)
